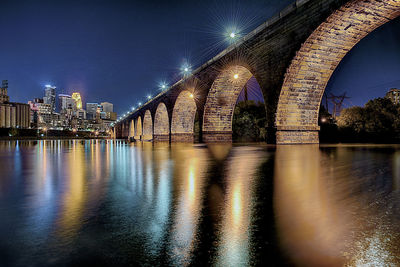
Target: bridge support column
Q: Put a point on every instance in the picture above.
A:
(161, 138)
(182, 137)
(288, 135)
(217, 137)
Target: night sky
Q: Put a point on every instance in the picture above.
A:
(120, 51)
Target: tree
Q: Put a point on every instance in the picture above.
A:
(377, 121)
(380, 114)
(249, 121)
(13, 132)
(353, 118)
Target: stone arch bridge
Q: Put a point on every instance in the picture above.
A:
(292, 56)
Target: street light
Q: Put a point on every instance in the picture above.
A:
(232, 35)
(191, 95)
(185, 69)
(236, 76)
(45, 130)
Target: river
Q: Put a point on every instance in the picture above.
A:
(108, 203)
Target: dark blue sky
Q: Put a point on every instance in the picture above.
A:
(119, 51)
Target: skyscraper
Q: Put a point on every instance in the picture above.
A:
(50, 96)
(65, 102)
(91, 108)
(107, 107)
(78, 100)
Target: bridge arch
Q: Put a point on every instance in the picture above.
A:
(315, 62)
(126, 129)
(138, 128)
(183, 116)
(161, 123)
(131, 129)
(221, 102)
(147, 126)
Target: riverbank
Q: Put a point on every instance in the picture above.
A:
(32, 138)
(40, 134)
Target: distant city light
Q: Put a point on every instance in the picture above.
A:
(133, 108)
(149, 96)
(140, 103)
(236, 76)
(232, 35)
(163, 86)
(186, 69)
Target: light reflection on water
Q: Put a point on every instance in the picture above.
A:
(112, 203)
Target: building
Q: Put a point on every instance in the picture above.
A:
(4, 92)
(13, 115)
(66, 102)
(45, 115)
(33, 113)
(91, 108)
(23, 115)
(7, 116)
(107, 107)
(41, 113)
(108, 116)
(50, 96)
(81, 114)
(394, 95)
(78, 100)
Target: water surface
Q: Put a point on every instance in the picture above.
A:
(104, 203)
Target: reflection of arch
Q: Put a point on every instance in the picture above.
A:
(161, 123)
(314, 63)
(147, 126)
(299, 177)
(220, 104)
(138, 128)
(183, 117)
(131, 129)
